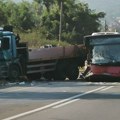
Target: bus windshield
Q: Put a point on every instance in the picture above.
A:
(105, 50)
(106, 54)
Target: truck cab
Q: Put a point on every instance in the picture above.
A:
(11, 56)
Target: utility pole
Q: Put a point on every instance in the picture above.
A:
(60, 26)
(106, 26)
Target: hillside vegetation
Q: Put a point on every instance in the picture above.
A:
(38, 22)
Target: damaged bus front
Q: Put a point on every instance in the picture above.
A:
(104, 54)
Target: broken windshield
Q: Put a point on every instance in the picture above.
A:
(106, 54)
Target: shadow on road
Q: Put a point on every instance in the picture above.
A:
(55, 95)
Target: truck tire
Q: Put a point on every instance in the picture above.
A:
(14, 72)
(34, 76)
(48, 75)
(60, 72)
(73, 72)
(60, 75)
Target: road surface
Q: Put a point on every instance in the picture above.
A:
(61, 101)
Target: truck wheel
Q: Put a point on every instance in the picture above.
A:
(34, 76)
(14, 72)
(60, 76)
(60, 72)
(48, 75)
(73, 73)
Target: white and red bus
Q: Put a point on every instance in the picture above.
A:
(104, 54)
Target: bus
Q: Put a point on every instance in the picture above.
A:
(103, 55)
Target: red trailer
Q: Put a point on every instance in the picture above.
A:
(56, 63)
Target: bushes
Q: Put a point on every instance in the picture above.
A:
(36, 40)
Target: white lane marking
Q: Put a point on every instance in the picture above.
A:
(107, 88)
(63, 104)
(74, 100)
(53, 104)
(4, 92)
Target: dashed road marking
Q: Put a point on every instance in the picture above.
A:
(64, 101)
(107, 88)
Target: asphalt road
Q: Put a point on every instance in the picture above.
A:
(61, 101)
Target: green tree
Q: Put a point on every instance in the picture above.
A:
(3, 17)
(20, 15)
(78, 20)
(11, 11)
(25, 16)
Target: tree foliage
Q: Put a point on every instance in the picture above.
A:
(77, 19)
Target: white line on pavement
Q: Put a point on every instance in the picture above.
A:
(63, 104)
(107, 88)
(53, 104)
(74, 100)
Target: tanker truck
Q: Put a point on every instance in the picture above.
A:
(50, 62)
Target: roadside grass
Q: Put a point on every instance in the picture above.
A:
(36, 40)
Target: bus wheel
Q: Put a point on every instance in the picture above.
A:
(73, 73)
(14, 73)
